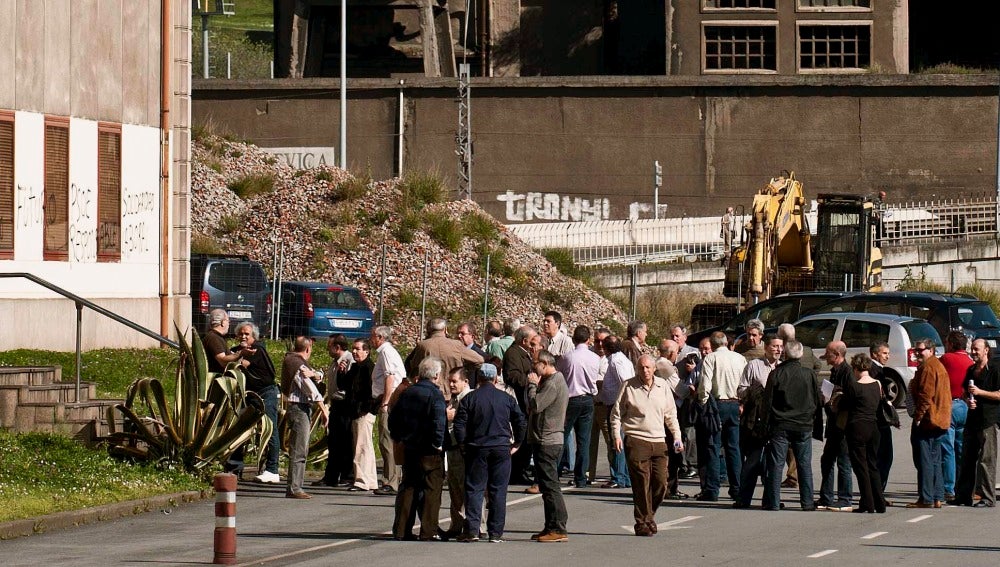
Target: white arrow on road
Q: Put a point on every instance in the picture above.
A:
(671, 525)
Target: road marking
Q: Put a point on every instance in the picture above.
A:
(279, 557)
(919, 519)
(822, 554)
(874, 535)
(671, 525)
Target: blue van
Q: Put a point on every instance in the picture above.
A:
(316, 309)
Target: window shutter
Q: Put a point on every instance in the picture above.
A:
(109, 193)
(6, 185)
(56, 226)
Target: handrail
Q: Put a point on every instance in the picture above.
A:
(80, 304)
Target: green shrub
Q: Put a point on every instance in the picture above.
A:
(352, 188)
(228, 224)
(421, 189)
(408, 300)
(988, 294)
(214, 164)
(443, 229)
(919, 283)
(480, 227)
(270, 160)
(323, 175)
(953, 69)
(249, 59)
(252, 184)
(236, 154)
(204, 244)
(325, 234)
(406, 229)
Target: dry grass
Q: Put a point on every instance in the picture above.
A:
(661, 307)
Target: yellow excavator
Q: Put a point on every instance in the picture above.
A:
(777, 253)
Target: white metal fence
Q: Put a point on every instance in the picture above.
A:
(689, 239)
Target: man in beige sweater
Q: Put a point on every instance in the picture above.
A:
(643, 414)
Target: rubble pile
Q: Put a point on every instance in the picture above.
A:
(320, 231)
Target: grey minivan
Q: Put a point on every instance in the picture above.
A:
(234, 283)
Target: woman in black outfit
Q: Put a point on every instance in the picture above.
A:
(860, 398)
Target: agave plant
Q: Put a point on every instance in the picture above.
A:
(212, 415)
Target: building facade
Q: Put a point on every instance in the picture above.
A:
(94, 168)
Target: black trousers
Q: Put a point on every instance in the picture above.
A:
(752, 451)
(340, 446)
(862, 445)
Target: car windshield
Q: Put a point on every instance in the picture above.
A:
(337, 298)
(918, 329)
(975, 316)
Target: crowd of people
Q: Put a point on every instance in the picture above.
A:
(525, 407)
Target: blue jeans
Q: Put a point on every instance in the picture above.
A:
(835, 452)
(580, 420)
(951, 447)
(270, 396)
(728, 438)
(774, 454)
(487, 471)
(927, 460)
(619, 469)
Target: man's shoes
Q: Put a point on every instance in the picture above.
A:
(938, 504)
(706, 498)
(740, 505)
(957, 502)
(642, 530)
(298, 495)
(533, 489)
(948, 496)
(611, 484)
(353, 488)
(840, 508)
(534, 537)
(407, 537)
(690, 473)
(807, 508)
(467, 538)
(385, 491)
(434, 537)
(919, 504)
(652, 527)
(553, 537)
(496, 539)
(789, 483)
(982, 504)
(678, 496)
(820, 505)
(319, 482)
(268, 478)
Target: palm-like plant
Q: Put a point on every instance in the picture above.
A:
(212, 415)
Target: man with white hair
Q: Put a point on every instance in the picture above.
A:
(419, 422)
(453, 353)
(786, 332)
(389, 373)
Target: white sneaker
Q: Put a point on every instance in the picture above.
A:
(268, 478)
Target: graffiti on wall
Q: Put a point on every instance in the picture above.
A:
(29, 206)
(530, 206)
(138, 218)
(82, 230)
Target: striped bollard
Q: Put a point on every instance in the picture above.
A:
(225, 518)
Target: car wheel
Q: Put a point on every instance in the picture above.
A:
(896, 391)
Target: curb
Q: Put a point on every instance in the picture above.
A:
(73, 518)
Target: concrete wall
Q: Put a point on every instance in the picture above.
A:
(718, 139)
(96, 61)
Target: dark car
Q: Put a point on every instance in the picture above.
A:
(944, 311)
(316, 309)
(784, 308)
(234, 283)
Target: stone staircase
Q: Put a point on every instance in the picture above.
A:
(35, 399)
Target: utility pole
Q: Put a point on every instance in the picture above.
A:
(464, 136)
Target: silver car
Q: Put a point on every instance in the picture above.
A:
(859, 331)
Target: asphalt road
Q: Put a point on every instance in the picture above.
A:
(338, 527)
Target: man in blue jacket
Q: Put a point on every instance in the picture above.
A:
(490, 426)
(418, 421)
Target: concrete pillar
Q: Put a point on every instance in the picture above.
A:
(299, 40)
(429, 39)
(445, 42)
(505, 38)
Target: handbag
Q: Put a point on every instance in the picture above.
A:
(886, 414)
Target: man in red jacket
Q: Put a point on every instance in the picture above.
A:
(931, 391)
(956, 361)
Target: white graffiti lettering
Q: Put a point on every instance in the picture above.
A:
(552, 206)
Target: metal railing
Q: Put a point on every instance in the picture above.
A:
(80, 304)
(689, 239)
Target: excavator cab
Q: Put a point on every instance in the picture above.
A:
(846, 253)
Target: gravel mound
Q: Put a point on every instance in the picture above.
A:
(333, 228)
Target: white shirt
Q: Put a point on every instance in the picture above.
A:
(303, 389)
(388, 362)
(620, 370)
(560, 345)
(720, 375)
